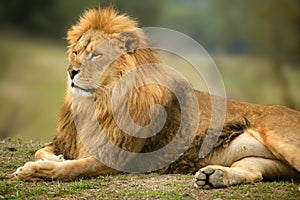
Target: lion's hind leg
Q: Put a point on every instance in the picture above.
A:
(284, 144)
(250, 169)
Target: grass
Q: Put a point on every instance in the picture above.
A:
(15, 152)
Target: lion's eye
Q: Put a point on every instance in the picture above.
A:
(95, 54)
(74, 53)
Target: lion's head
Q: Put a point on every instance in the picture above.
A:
(111, 60)
(115, 71)
(103, 46)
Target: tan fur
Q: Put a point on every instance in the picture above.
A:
(257, 141)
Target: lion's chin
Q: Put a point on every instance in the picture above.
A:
(79, 91)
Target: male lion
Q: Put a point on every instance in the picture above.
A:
(257, 142)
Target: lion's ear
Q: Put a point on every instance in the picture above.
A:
(126, 41)
(130, 41)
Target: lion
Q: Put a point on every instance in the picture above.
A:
(256, 142)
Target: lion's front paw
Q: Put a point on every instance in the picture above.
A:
(209, 177)
(38, 170)
(59, 158)
(26, 172)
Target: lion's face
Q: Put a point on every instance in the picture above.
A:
(98, 42)
(88, 57)
(96, 53)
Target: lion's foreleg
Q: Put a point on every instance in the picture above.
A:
(66, 170)
(47, 153)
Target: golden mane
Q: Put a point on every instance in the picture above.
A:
(106, 19)
(110, 22)
(111, 25)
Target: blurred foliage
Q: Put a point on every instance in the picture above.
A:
(264, 27)
(269, 27)
(254, 43)
(52, 18)
(49, 18)
(148, 12)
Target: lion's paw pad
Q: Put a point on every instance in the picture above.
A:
(209, 178)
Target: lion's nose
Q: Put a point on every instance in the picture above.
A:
(72, 72)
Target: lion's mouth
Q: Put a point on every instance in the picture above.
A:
(89, 90)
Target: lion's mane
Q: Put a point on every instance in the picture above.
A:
(110, 23)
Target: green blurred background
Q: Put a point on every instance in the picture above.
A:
(254, 43)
